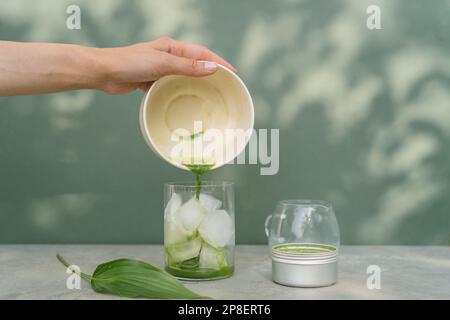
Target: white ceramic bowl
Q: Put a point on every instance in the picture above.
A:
(220, 101)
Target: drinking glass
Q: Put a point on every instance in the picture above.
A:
(199, 231)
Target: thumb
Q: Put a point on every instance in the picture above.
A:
(188, 67)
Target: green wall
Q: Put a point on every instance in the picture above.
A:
(364, 119)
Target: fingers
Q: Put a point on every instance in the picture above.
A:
(185, 66)
(198, 52)
(191, 51)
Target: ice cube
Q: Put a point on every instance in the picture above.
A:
(190, 214)
(172, 206)
(209, 202)
(212, 258)
(184, 251)
(217, 228)
(174, 233)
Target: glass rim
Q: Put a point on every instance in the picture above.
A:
(305, 202)
(205, 183)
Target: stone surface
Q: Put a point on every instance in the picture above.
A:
(32, 272)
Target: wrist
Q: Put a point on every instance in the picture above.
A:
(97, 66)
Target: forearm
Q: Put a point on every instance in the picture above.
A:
(32, 68)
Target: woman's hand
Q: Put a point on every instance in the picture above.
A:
(33, 68)
(139, 65)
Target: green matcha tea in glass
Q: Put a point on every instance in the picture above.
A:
(199, 230)
(198, 124)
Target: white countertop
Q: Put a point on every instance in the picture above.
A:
(407, 272)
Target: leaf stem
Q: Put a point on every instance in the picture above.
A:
(67, 265)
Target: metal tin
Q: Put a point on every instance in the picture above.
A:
(304, 265)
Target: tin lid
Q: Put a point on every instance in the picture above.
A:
(304, 253)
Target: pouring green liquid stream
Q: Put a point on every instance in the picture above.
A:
(199, 169)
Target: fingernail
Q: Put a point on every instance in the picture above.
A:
(209, 65)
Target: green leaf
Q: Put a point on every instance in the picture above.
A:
(136, 279)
